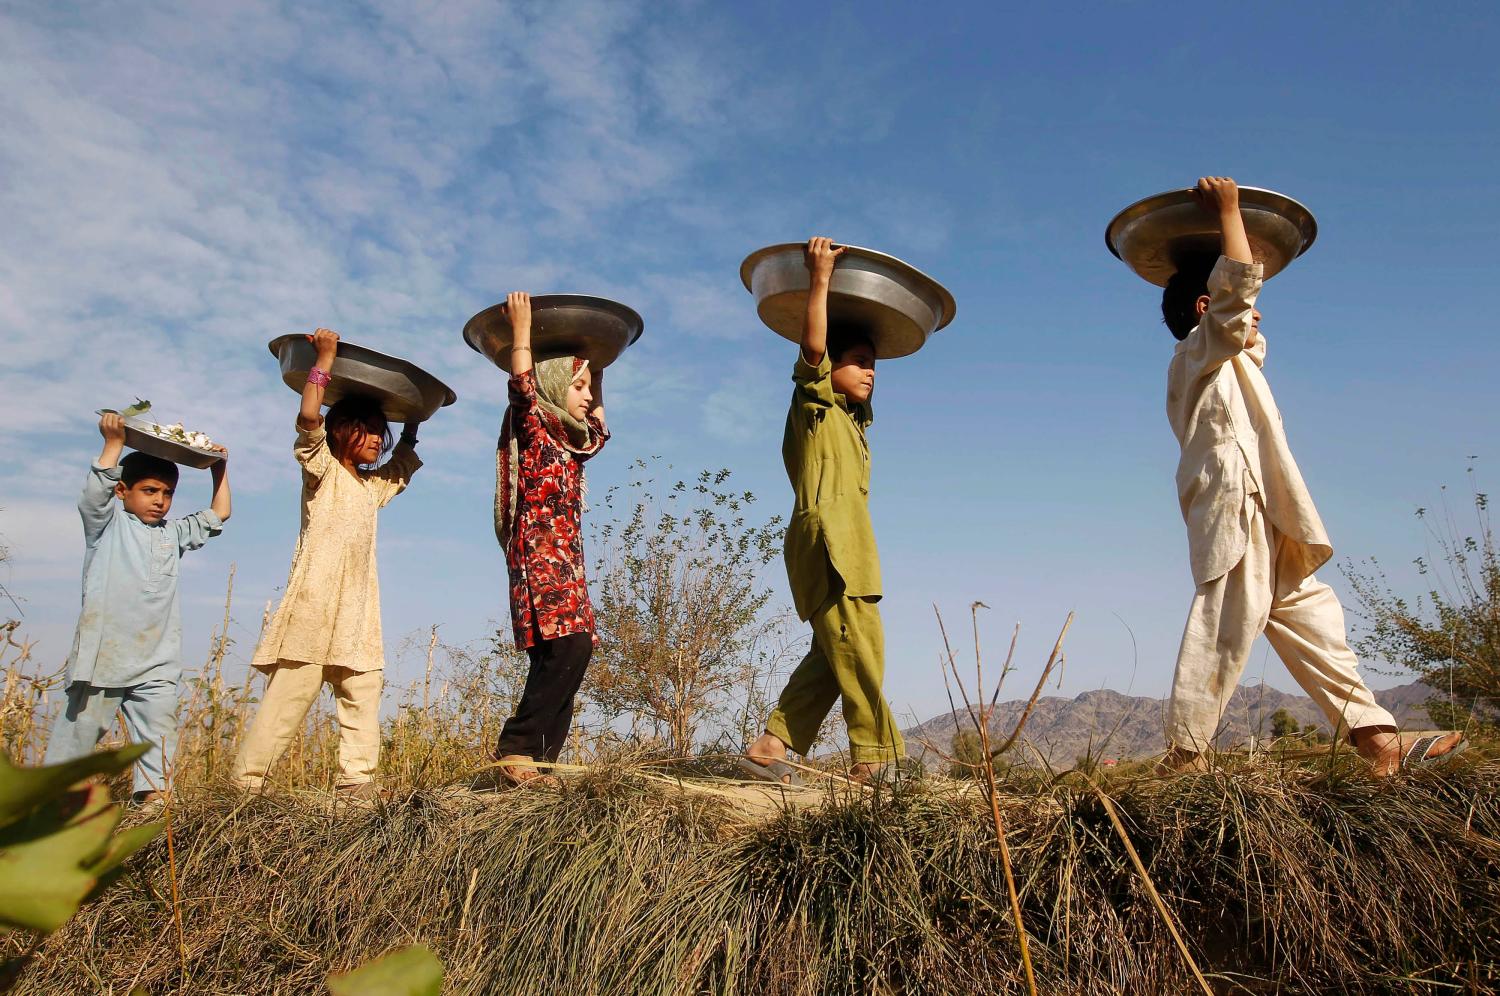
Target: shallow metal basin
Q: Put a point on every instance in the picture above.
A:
(894, 303)
(139, 437)
(1155, 234)
(405, 391)
(595, 328)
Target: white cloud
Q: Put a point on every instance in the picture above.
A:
(180, 187)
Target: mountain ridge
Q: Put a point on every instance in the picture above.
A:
(1104, 723)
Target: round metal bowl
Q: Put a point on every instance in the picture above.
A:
(1154, 235)
(594, 328)
(405, 391)
(894, 303)
(138, 436)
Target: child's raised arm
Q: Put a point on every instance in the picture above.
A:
(112, 428)
(1221, 195)
(220, 505)
(820, 256)
(97, 505)
(518, 310)
(310, 415)
(1227, 315)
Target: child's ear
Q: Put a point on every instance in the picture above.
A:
(1201, 305)
(120, 490)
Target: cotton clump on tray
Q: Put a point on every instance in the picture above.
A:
(178, 434)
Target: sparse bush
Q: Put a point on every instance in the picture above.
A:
(1449, 636)
(968, 755)
(681, 607)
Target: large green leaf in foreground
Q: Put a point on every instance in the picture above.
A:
(58, 847)
(24, 789)
(410, 971)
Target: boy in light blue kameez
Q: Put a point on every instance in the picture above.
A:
(127, 649)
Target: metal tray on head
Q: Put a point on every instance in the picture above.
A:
(594, 328)
(1154, 235)
(138, 436)
(893, 302)
(405, 391)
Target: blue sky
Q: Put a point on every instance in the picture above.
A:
(182, 183)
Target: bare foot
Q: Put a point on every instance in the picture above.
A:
(866, 772)
(1385, 749)
(1181, 761)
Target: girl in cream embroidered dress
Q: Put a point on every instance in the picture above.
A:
(330, 613)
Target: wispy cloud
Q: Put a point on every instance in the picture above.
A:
(182, 185)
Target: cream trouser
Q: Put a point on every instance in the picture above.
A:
(1301, 618)
(291, 689)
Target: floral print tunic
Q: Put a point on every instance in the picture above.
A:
(549, 593)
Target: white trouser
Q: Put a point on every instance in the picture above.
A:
(1301, 617)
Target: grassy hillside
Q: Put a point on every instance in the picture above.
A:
(1298, 879)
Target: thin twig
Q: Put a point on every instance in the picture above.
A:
(468, 898)
(1010, 655)
(1036, 693)
(989, 774)
(953, 665)
(1140, 867)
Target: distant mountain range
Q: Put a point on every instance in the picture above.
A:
(1108, 724)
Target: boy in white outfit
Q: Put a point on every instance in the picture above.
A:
(1254, 536)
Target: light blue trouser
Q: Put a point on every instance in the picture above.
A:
(150, 710)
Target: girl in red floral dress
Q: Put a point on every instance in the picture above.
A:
(553, 424)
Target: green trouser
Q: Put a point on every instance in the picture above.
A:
(847, 659)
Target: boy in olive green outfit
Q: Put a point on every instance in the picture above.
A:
(831, 560)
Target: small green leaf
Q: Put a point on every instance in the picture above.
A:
(409, 971)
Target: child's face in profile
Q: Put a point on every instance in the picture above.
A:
(580, 395)
(853, 373)
(364, 446)
(148, 499)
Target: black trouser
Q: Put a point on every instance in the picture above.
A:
(540, 725)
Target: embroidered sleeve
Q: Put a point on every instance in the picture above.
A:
(312, 452)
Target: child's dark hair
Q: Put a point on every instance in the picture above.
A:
(1179, 299)
(842, 338)
(137, 467)
(353, 415)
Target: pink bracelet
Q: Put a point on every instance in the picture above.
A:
(318, 378)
